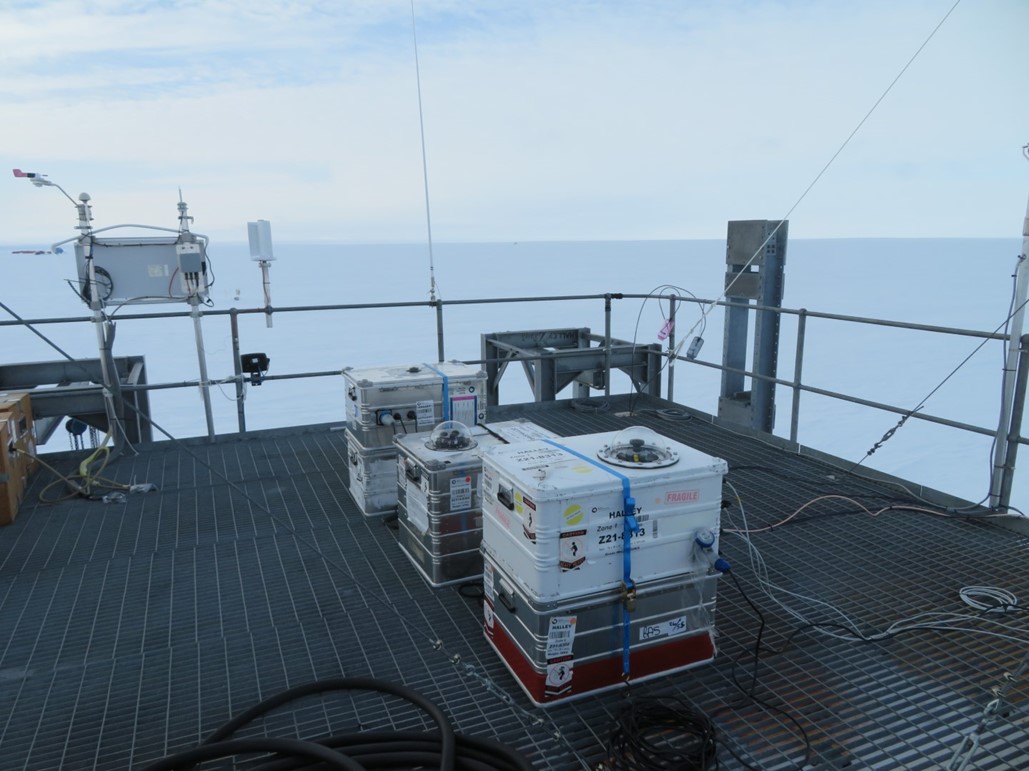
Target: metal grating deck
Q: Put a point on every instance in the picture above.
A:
(129, 631)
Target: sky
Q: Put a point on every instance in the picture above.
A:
(574, 120)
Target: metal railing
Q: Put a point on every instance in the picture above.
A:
(797, 386)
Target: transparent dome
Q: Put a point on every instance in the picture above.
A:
(638, 447)
(450, 436)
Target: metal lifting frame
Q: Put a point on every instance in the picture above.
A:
(755, 256)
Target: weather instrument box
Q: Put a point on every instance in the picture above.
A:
(385, 401)
(567, 648)
(144, 270)
(16, 411)
(553, 510)
(373, 477)
(17, 452)
(439, 493)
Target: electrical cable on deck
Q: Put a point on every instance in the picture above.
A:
(398, 750)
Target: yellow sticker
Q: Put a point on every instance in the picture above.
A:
(582, 469)
(573, 514)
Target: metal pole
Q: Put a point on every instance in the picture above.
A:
(205, 386)
(439, 329)
(1015, 431)
(798, 367)
(110, 379)
(266, 284)
(237, 367)
(1017, 318)
(607, 346)
(671, 348)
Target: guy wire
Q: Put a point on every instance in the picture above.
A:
(707, 308)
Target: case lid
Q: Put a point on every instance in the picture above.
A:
(562, 468)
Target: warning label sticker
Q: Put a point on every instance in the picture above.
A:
(529, 523)
(559, 678)
(572, 549)
(487, 582)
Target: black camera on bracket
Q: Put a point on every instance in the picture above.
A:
(255, 365)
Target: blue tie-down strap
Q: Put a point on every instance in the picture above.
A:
(446, 391)
(630, 527)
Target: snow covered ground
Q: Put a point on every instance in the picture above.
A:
(963, 283)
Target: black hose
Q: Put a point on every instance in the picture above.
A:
(295, 747)
(473, 753)
(355, 752)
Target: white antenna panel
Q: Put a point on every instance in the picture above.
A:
(260, 234)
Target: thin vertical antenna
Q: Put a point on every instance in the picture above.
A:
(425, 165)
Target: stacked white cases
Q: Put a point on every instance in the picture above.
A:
(576, 602)
(385, 401)
(439, 495)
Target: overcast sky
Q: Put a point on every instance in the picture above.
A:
(544, 119)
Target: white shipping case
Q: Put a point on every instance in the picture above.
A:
(415, 397)
(553, 510)
(373, 477)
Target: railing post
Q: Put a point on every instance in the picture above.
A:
(798, 366)
(237, 367)
(439, 329)
(671, 348)
(1015, 430)
(607, 346)
(205, 384)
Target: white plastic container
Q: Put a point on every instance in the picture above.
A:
(383, 402)
(553, 510)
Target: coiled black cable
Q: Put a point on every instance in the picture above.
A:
(661, 732)
(354, 752)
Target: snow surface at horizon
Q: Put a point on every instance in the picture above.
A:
(962, 283)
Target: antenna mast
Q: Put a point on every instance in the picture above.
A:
(425, 166)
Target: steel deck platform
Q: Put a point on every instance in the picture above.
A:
(131, 630)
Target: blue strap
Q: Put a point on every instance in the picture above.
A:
(446, 391)
(630, 527)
